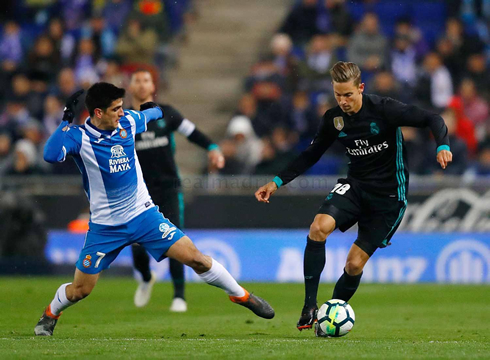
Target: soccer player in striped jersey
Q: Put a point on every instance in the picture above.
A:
(121, 209)
(374, 194)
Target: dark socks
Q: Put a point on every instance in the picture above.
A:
(141, 261)
(346, 286)
(314, 262)
(177, 273)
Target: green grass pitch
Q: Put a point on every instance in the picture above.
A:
(392, 322)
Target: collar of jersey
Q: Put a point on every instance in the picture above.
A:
(93, 130)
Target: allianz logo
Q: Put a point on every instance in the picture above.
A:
(464, 261)
(381, 269)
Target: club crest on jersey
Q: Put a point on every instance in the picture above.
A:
(123, 133)
(338, 122)
(87, 262)
(166, 230)
(374, 128)
(117, 151)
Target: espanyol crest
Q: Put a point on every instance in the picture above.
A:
(338, 122)
(117, 151)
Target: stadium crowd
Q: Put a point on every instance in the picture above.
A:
(434, 54)
(49, 49)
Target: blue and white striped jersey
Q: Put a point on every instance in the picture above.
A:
(111, 172)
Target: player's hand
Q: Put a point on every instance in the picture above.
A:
(265, 192)
(444, 157)
(151, 105)
(216, 159)
(70, 105)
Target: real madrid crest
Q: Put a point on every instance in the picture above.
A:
(123, 133)
(338, 122)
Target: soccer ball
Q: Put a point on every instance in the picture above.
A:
(335, 318)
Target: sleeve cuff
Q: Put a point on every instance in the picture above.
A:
(278, 181)
(213, 147)
(443, 147)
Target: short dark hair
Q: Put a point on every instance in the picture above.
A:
(101, 95)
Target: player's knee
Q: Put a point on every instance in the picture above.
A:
(319, 231)
(354, 266)
(200, 263)
(80, 292)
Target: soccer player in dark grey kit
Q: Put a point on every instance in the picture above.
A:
(374, 194)
(156, 150)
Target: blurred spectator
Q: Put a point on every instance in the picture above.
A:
(5, 152)
(384, 84)
(314, 70)
(368, 47)
(74, 12)
(303, 119)
(474, 107)
(85, 63)
(476, 70)
(53, 112)
(464, 127)
(115, 13)
(34, 132)
(37, 89)
(266, 84)
(43, 58)
(113, 74)
(66, 84)
(136, 44)
(243, 149)
(102, 36)
(404, 27)
(152, 14)
(334, 17)
(10, 47)
(301, 22)
(403, 60)
(25, 159)
(14, 116)
(247, 107)
(276, 152)
(286, 63)
(482, 165)
(64, 43)
(464, 44)
(434, 86)
(454, 63)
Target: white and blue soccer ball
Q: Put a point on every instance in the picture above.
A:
(335, 318)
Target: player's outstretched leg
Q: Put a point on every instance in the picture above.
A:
(314, 262)
(349, 281)
(178, 280)
(66, 296)
(141, 262)
(215, 274)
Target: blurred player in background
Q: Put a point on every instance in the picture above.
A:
(121, 209)
(374, 194)
(156, 149)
